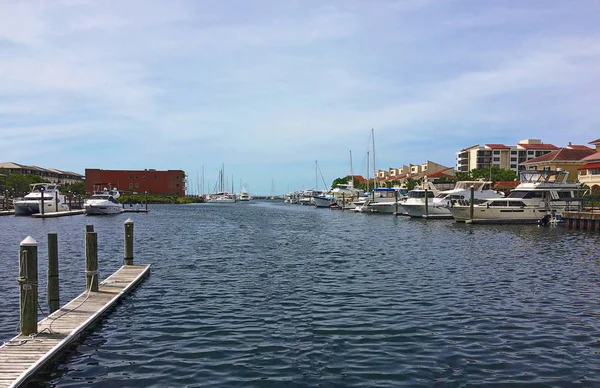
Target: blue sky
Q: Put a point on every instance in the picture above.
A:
(269, 87)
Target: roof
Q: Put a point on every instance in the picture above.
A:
(10, 165)
(441, 173)
(468, 148)
(589, 166)
(358, 178)
(538, 146)
(506, 184)
(579, 147)
(561, 155)
(497, 146)
(594, 156)
(594, 141)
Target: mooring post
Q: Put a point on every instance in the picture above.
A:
(396, 198)
(28, 280)
(56, 201)
(343, 201)
(53, 298)
(426, 203)
(145, 200)
(129, 242)
(91, 261)
(42, 200)
(472, 203)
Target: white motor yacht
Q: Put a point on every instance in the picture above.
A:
(540, 193)
(244, 196)
(43, 197)
(104, 202)
(414, 204)
(438, 207)
(383, 200)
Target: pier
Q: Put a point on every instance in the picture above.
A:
(583, 220)
(39, 343)
(58, 214)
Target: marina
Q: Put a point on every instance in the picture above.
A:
(295, 295)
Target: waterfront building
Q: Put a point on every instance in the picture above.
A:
(170, 182)
(589, 172)
(430, 169)
(567, 159)
(51, 175)
(502, 156)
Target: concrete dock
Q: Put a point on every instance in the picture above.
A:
(23, 356)
(59, 214)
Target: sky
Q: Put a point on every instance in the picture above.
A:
(267, 89)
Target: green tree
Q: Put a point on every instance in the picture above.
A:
(77, 188)
(339, 181)
(496, 173)
(411, 183)
(20, 183)
(463, 176)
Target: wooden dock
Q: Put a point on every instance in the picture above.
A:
(7, 212)
(59, 214)
(23, 356)
(584, 220)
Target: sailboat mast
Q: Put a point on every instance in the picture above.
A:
(374, 168)
(351, 175)
(316, 175)
(368, 177)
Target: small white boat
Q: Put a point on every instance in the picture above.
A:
(222, 197)
(382, 200)
(46, 193)
(104, 202)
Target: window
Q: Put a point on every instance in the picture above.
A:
(594, 171)
(513, 159)
(155, 177)
(177, 185)
(131, 185)
(144, 177)
(513, 166)
(496, 152)
(530, 152)
(130, 176)
(137, 185)
(496, 159)
(136, 177)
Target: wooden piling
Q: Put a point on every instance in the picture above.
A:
(42, 201)
(56, 201)
(89, 228)
(28, 284)
(91, 261)
(53, 293)
(396, 198)
(146, 199)
(426, 203)
(128, 242)
(472, 203)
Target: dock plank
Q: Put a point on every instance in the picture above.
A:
(20, 361)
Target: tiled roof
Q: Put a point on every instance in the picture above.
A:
(594, 156)
(589, 166)
(497, 146)
(538, 146)
(506, 184)
(561, 155)
(594, 141)
(440, 173)
(579, 147)
(358, 178)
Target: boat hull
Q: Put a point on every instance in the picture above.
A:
(103, 209)
(323, 202)
(499, 215)
(419, 211)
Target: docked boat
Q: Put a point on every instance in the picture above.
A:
(41, 195)
(439, 206)
(382, 200)
(419, 198)
(222, 197)
(244, 196)
(103, 202)
(540, 193)
(324, 200)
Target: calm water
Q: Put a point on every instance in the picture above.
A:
(274, 295)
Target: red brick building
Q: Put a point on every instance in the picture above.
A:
(171, 182)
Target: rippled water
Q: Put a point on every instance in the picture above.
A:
(264, 294)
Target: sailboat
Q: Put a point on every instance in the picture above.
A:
(222, 196)
(324, 198)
